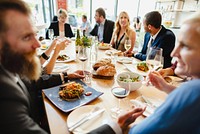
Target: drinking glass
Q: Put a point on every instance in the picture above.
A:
(127, 44)
(154, 60)
(51, 33)
(83, 56)
(120, 93)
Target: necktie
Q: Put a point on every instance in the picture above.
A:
(149, 44)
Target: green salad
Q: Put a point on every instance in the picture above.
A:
(125, 79)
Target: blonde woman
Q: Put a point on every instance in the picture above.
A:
(122, 33)
(60, 27)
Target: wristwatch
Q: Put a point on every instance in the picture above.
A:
(45, 56)
(65, 77)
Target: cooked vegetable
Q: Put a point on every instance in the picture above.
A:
(125, 79)
(143, 66)
(71, 90)
(62, 57)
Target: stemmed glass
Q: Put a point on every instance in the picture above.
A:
(154, 59)
(120, 93)
(51, 33)
(127, 44)
(83, 56)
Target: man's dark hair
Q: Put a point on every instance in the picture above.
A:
(101, 12)
(84, 16)
(153, 18)
(6, 5)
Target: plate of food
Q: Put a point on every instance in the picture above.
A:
(64, 58)
(140, 68)
(104, 46)
(126, 60)
(71, 95)
(104, 69)
(113, 51)
(91, 124)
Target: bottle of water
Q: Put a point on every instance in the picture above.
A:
(93, 51)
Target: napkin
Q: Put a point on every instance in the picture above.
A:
(149, 108)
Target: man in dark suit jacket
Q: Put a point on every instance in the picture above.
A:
(162, 37)
(104, 35)
(18, 59)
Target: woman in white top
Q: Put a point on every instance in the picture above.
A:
(122, 33)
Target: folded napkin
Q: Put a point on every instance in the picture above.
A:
(149, 108)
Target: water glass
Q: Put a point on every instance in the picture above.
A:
(51, 33)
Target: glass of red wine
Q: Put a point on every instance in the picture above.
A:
(83, 56)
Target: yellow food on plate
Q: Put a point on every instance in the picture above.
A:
(44, 46)
(104, 45)
(142, 66)
(63, 57)
(71, 90)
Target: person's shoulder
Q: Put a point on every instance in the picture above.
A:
(191, 86)
(167, 31)
(110, 21)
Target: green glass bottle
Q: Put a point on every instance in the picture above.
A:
(78, 38)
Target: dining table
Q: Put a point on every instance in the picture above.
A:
(57, 119)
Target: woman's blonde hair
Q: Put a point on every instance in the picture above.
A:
(117, 25)
(62, 12)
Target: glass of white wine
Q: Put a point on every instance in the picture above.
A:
(127, 44)
(154, 60)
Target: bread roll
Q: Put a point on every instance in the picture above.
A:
(106, 70)
(102, 62)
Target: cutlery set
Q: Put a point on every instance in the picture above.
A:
(92, 114)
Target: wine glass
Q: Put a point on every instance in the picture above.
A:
(83, 56)
(120, 93)
(127, 44)
(51, 33)
(154, 59)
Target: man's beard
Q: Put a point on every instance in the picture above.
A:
(20, 63)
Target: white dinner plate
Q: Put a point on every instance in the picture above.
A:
(104, 46)
(60, 67)
(81, 112)
(68, 60)
(109, 52)
(125, 60)
(133, 68)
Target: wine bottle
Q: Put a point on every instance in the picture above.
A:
(78, 38)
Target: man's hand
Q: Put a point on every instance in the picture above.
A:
(76, 75)
(158, 81)
(126, 119)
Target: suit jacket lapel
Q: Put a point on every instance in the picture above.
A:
(155, 42)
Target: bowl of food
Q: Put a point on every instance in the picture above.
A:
(135, 80)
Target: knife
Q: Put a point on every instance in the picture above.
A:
(86, 119)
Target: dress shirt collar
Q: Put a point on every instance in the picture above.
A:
(154, 36)
(102, 23)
